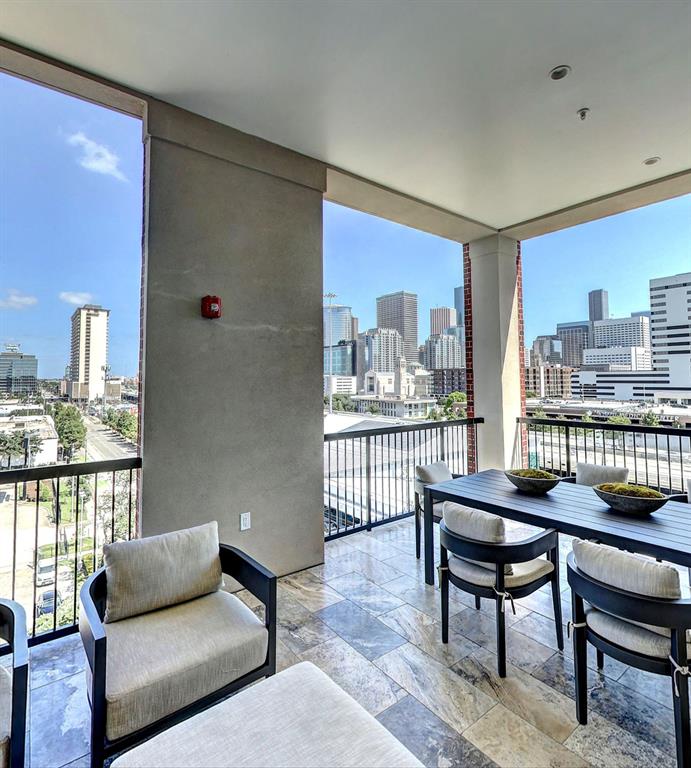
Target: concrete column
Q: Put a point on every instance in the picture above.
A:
(492, 275)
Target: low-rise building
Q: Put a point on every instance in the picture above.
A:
(625, 358)
(448, 380)
(395, 406)
(41, 426)
(340, 385)
(549, 380)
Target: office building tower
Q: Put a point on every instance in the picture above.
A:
(89, 352)
(574, 337)
(383, 348)
(441, 318)
(399, 311)
(622, 332)
(617, 358)
(459, 304)
(354, 328)
(670, 320)
(598, 305)
(546, 350)
(338, 324)
(341, 359)
(18, 372)
(442, 351)
(641, 313)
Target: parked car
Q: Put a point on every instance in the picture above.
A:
(47, 602)
(45, 572)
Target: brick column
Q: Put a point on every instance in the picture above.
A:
(470, 390)
(521, 345)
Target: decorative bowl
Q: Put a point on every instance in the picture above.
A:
(628, 504)
(536, 482)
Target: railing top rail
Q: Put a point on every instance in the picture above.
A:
(604, 425)
(427, 425)
(51, 471)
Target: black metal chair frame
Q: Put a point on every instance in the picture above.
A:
(419, 511)
(248, 572)
(545, 542)
(671, 614)
(13, 630)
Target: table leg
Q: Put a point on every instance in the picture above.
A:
(428, 529)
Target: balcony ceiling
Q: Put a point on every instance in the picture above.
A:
(449, 102)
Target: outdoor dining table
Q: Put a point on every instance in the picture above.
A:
(575, 510)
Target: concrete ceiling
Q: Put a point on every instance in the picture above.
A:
(449, 102)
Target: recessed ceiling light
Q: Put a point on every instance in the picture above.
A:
(652, 160)
(560, 72)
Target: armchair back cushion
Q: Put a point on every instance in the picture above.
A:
(159, 571)
(631, 573)
(594, 474)
(476, 524)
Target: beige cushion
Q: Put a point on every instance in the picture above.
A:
(623, 570)
(5, 716)
(476, 524)
(158, 571)
(159, 662)
(298, 718)
(594, 474)
(478, 573)
(653, 641)
(429, 474)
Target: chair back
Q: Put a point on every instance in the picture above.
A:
(594, 474)
(13, 630)
(429, 474)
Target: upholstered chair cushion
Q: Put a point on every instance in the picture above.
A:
(476, 524)
(159, 571)
(5, 716)
(163, 661)
(622, 570)
(273, 724)
(594, 474)
(479, 573)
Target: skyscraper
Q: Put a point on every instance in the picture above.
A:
(670, 305)
(18, 372)
(441, 318)
(598, 305)
(399, 311)
(383, 347)
(89, 352)
(574, 337)
(442, 351)
(459, 304)
(341, 324)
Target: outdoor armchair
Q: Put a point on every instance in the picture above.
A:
(13, 686)
(163, 640)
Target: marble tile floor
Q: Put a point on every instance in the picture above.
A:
(369, 621)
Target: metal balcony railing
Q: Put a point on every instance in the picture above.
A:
(659, 457)
(369, 475)
(54, 521)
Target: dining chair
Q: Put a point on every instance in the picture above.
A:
(594, 474)
(428, 474)
(476, 558)
(631, 608)
(13, 686)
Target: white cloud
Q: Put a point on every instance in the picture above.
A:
(76, 297)
(96, 157)
(17, 300)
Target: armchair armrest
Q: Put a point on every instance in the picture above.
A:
(91, 597)
(253, 576)
(13, 629)
(569, 479)
(682, 497)
(509, 552)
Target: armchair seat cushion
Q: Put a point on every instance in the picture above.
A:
(160, 662)
(481, 575)
(626, 634)
(5, 716)
(298, 718)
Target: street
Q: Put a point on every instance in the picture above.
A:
(102, 444)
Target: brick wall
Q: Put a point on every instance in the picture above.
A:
(521, 349)
(470, 387)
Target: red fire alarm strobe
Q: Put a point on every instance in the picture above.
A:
(211, 307)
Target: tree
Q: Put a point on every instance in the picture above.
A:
(650, 419)
(454, 405)
(373, 409)
(10, 446)
(618, 419)
(70, 427)
(530, 394)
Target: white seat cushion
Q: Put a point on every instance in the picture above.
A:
(5, 716)
(594, 474)
(635, 637)
(160, 662)
(482, 576)
(299, 718)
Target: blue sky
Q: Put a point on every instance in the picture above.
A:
(70, 231)
(70, 222)
(365, 257)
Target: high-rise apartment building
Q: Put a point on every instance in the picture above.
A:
(598, 305)
(89, 352)
(574, 337)
(399, 311)
(622, 332)
(670, 310)
(459, 304)
(459, 332)
(382, 349)
(338, 324)
(18, 372)
(441, 318)
(442, 351)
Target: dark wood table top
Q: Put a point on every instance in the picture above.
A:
(576, 510)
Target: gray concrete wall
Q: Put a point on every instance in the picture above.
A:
(232, 417)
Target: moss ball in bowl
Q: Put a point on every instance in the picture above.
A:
(536, 482)
(630, 499)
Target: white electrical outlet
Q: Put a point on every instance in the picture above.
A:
(245, 521)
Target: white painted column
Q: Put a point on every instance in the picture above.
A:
(496, 347)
